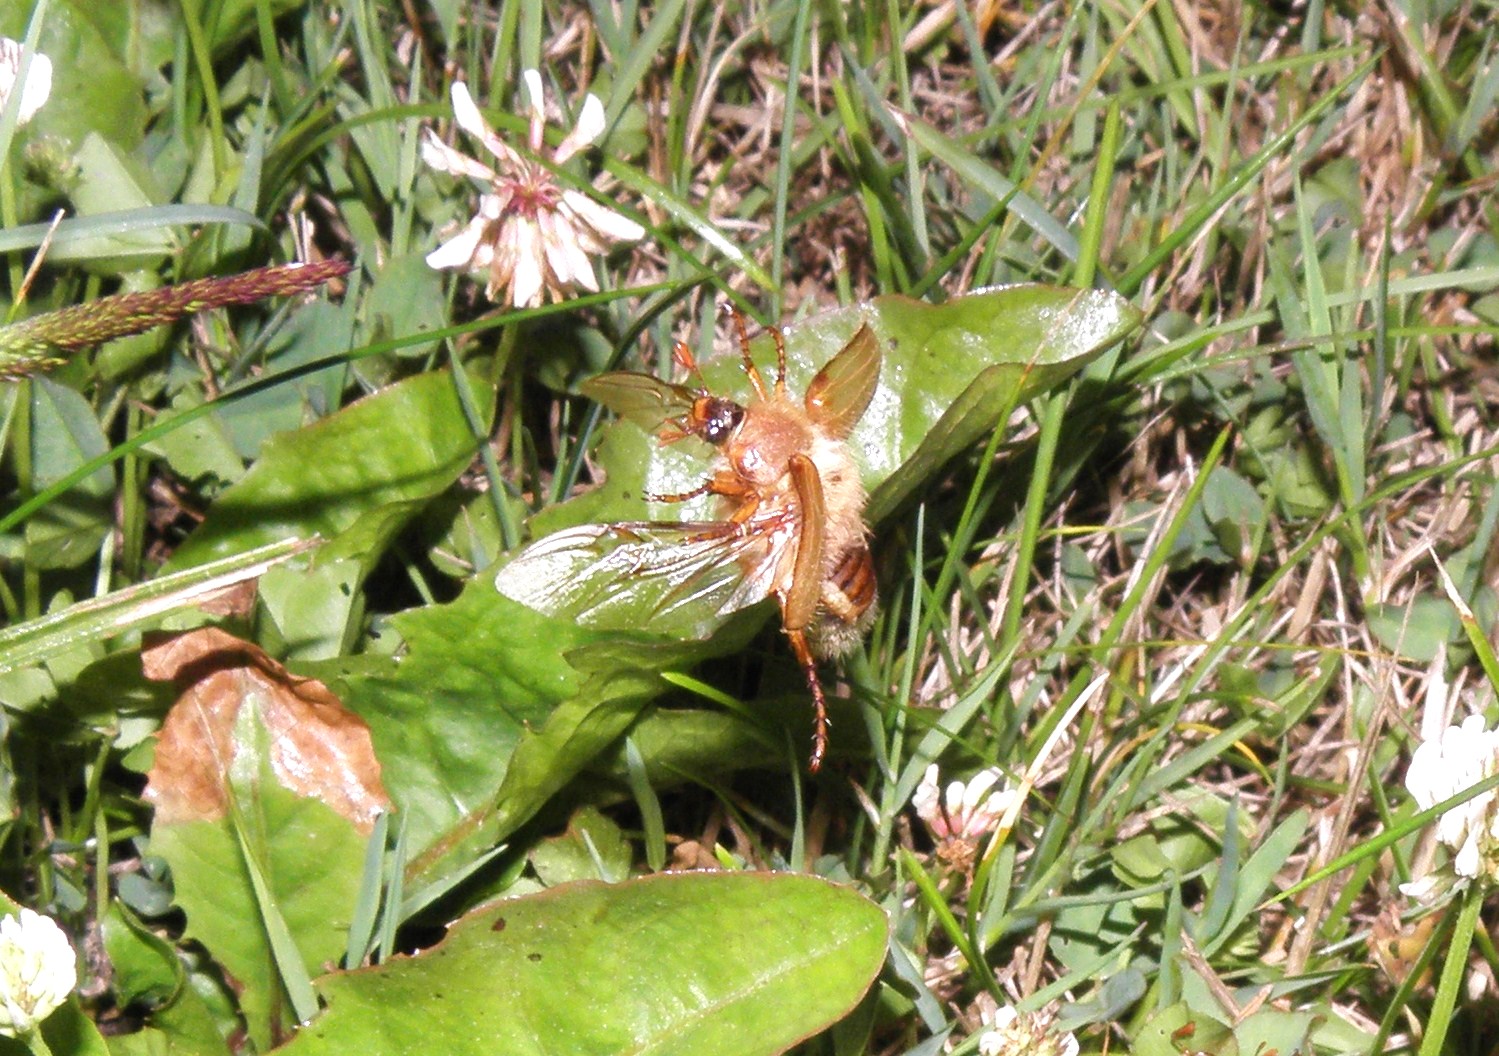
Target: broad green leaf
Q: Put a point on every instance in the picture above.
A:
(144, 966)
(1278, 1030)
(64, 434)
(406, 442)
(406, 298)
(592, 848)
(1235, 510)
(313, 859)
(146, 971)
(491, 710)
(948, 371)
(313, 609)
(265, 789)
(202, 450)
(1178, 1029)
(92, 90)
(1176, 843)
(111, 180)
(1416, 629)
(733, 965)
(302, 398)
(674, 741)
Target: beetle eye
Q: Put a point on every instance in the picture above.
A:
(722, 419)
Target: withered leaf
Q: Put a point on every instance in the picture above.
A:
(318, 748)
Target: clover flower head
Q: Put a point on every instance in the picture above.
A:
(38, 971)
(1458, 758)
(1010, 1033)
(530, 236)
(960, 819)
(38, 84)
(970, 810)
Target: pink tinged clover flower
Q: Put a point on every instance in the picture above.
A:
(1456, 759)
(970, 810)
(37, 971)
(38, 84)
(960, 819)
(530, 236)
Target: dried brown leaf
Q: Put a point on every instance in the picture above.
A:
(318, 748)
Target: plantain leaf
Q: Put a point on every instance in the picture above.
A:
(359, 473)
(947, 374)
(744, 964)
(948, 371)
(492, 709)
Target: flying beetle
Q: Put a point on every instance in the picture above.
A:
(791, 512)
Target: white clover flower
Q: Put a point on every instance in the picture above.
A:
(1459, 758)
(971, 809)
(37, 971)
(530, 236)
(968, 812)
(38, 84)
(1011, 1033)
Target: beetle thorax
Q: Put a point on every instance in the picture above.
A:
(772, 431)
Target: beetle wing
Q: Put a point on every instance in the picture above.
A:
(838, 396)
(643, 399)
(682, 579)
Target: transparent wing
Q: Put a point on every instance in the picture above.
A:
(681, 580)
(645, 400)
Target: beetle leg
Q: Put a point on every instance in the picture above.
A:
(721, 483)
(806, 576)
(849, 590)
(682, 355)
(680, 496)
(803, 650)
(750, 369)
(799, 603)
(780, 339)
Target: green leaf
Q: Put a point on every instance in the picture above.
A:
(65, 434)
(285, 403)
(407, 442)
(147, 970)
(1236, 512)
(313, 609)
(110, 180)
(1178, 1029)
(948, 372)
(92, 91)
(313, 859)
(406, 298)
(492, 709)
(201, 450)
(734, 965)
(1415, 629)
(592, 848)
